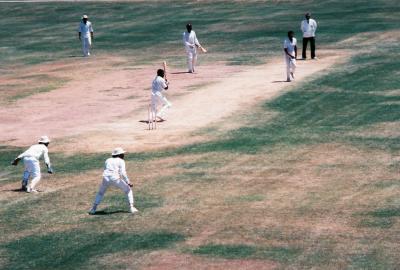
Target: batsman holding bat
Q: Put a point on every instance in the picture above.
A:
(158, 85)
(191, 44)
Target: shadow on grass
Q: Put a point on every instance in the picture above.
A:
(107, 212)
(74, 249)
(280, 254)
(383, 218)
(19, 190)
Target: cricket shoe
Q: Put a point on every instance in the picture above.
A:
(31, 190)
(292, 74)
(92, 211)
(24, 188)
(133, 210)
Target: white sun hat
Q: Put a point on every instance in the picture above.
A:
(85, 17)
(117, 151)
(44, 139)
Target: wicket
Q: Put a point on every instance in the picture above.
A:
(152, 118)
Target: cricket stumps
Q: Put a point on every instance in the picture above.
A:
(152, 118)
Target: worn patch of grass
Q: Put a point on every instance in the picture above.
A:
(38, 90)
(73, 249)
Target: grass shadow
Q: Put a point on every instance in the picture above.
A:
(74, 249)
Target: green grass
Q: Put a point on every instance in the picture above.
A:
(280, 254)
(374, 260)
(75, 249)
(338, 106)
(38, 32)
(226, 251)
(116, 202)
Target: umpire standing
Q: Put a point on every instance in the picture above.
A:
(308, 27)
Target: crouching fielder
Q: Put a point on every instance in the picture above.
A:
(159, 84)
(115, 175)
(290, 48)
(31, 159)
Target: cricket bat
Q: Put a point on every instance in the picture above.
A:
(204, 50)
(165, 69)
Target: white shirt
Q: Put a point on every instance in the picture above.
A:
(158, 85)
(85, 29)
(190, 40)
(308, 28)
(115, 168)
(37, 151)
(290, 45)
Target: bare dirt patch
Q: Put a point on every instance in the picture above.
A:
(101, 94)
(169, 260)
(105, 110)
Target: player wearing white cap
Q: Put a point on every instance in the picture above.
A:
(191, 44)
(31, 159)
(290, 49)
(158, 85)
(85, 34)
(114, 174)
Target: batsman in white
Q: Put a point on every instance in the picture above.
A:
(159, 84)
(31, 159)
(114, 174)
(85, 34)
(191, 44)
(290, 49)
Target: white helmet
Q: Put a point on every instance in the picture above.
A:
(85, 17)
(44, 139)
(117, 151)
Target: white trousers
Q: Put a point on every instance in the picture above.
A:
(191, 59)
(118, 183)
(290, 66)
(156, 99)
(86, 43)
(32, 170)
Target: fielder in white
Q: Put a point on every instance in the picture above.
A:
(191, 44)
(290, 49)
(31, 159)
(115, 175)
(159, 84)
(85, 34)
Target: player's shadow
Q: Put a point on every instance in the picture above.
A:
(105, 213)
(280, 81)
(179, 72)
(14, 190)
(147, 121)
